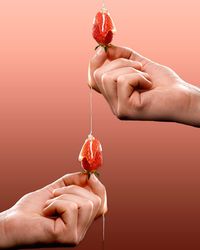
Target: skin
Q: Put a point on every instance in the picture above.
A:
(56, 215)
(137, 88)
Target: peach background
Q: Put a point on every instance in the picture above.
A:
(151, 170)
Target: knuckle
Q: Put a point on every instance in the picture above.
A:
(121, 79)
(121, 112)
(137, 64)
(122, 61)
(107, 78)
(101, 190)
(71, 188)
(146, 75)
(142, 75)
(97, 202)
(97, 75)
(89, 205)
(62, 197)
(72, 239)
(138, 76)
(57, 234)
(132, 69)
(73, 207)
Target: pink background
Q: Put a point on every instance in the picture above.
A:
(151, 170)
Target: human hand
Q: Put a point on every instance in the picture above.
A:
(137, 88)
(58, 214)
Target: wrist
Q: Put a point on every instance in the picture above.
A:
(191, 110)
(3, 240)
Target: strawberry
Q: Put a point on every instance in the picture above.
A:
(91, 156)
(103, 29)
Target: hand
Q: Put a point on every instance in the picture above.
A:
(58, 214)
(137, 88)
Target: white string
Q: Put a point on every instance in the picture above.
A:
(104, 221)
(103, 5)
(91, 112)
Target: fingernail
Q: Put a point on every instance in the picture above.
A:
(99, 51)
(93, 178)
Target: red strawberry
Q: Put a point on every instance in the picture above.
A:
(91, 155)
(103, 28)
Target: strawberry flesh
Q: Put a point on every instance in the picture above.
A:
(91, 154)
(103, 28)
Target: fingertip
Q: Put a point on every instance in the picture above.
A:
(56, 191)
(93, 179)
(137, 65)
(98, 59)
(100, 51)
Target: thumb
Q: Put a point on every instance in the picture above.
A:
(97, 61)
(99, 189)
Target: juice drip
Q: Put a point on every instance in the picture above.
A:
(103, 231)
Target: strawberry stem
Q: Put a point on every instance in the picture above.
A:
(89, 173)
(103, 46)
(97, 47)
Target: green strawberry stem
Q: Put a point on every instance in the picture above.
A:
(103, 46)
(89, 173)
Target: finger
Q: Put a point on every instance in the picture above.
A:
(114, 74)
(77, 178)
(126, 85)
(97, 61)
(65, 227)
(100, 73)
(86, 211)
(115, 64)
(81, 180)
(109, 85)
(115, 52)
(99, 189)
(83, 193)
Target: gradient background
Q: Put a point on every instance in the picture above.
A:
(151, 170)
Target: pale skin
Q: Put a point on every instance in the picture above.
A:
(56, 215)
(137, 88)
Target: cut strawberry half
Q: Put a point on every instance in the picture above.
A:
(103, 29)
(91, 155)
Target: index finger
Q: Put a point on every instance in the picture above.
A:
(77, 178)
(115, 52)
